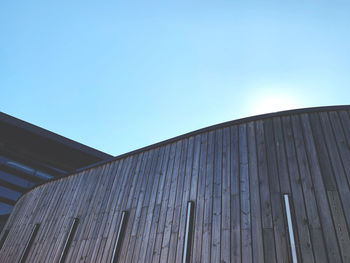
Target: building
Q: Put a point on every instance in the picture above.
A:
(30, 155)
(269, 188)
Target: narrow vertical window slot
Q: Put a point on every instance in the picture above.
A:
(29, 243)
(120, 235)
(188, 234)
(4, 236)
(69, 240)
(290, 228)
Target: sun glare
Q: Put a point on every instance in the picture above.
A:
(274, 102)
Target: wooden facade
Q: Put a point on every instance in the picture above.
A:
(235, 174)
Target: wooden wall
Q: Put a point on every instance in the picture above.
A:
(236, 176)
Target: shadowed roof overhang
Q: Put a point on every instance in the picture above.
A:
(38, 147)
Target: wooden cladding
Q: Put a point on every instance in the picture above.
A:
(290, 228)
(188, 233)
(3, 238)
(68, 242)
(29, 244)
(236, 175)
(119, 239)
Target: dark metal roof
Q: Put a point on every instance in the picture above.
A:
(28, 127)
(28, 142)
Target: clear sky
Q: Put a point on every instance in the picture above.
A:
(120, 75)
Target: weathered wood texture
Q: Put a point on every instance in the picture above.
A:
(236, 176)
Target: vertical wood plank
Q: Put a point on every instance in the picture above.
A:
(171, 205)
(309, 196)
(216, 216)
(208, 201)
(163, 202)
(235, 194)
(303, 233)
(257, 239)
(245, 195)
(178, 204)
(226, 200)
(340, 225)
(265, 199)
(320, 192)
(184, 199)
(198, 225)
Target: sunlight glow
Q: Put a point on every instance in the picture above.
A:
(272, 101)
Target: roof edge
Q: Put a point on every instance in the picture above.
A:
(202, 130)
(52, 136)
(218, 126)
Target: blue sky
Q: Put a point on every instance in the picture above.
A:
(120, 75)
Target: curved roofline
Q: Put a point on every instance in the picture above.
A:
(202, 130)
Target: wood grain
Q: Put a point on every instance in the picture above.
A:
(236, 176)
